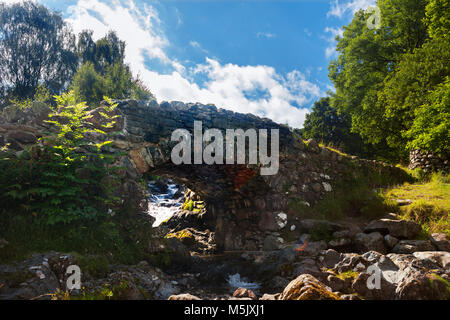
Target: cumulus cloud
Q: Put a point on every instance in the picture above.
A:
(330, 51)
(13, 1)
(341, 8)
(249, 89)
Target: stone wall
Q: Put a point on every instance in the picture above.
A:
(427, 161)
(243, 207)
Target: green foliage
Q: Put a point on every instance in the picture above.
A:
(87, 84)
(68, 177)
(408, 94)
(367, 57)
(188, 205)
(430, 206)
(34, 42)
(95, 265)
(103, 53)
(103, 71)
(333, 128)
(326, 125)
(95, 244)
(430, 129)
(356, 195)
(438, 18)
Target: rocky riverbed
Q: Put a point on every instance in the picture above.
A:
(380, 259)
(406, 269)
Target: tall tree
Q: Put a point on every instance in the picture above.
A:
(103, 71)
(36, 48)
(326, 124)
(367, 57)
(102, 53)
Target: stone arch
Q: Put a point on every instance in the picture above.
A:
(241, 202)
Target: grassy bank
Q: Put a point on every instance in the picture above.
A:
(430, 197)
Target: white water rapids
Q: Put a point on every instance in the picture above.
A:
(163, 204)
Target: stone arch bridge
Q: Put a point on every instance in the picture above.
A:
(241, 203)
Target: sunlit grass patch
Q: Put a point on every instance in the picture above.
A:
(430, 202)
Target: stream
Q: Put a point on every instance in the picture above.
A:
(222, 273)
(166, 199)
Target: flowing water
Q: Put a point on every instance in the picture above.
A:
(165, 201)
(227, 270)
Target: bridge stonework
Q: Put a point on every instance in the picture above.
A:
(242, 205)
(241, 202)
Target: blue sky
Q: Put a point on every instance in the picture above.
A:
(264, 57)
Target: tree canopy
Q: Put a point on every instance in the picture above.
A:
(36, 48)
(103, 71)
(385, 78)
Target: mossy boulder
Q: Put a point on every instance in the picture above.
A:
(307, 287)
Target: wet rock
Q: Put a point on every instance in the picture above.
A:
(173, 249)
(244, 293)
(277, 283)
(306, 287)
(271, 243)
(371, 241)
(367, 288)
(307, 266)
(314, 226)
(390, 241)
(330, 258)
(440, 241)
(313, 248)
(335, 283)
(23, 137)
(400, 229)
(184, 296)
(339, 243)
(417, 285)
(411, 246)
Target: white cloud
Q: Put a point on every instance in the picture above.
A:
(196, 45)
(267, 35)
(330, 51)
(307, 32)
(339, 9)
(13, 1)
(229, 86)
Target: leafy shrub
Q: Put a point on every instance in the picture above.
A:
(65, 177)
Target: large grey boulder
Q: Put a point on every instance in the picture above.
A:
(440, 241)
(329, 258)
(411, 246)
(306, 287)
(401, 229)
(370, 242)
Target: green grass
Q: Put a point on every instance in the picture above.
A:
(430, 202)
